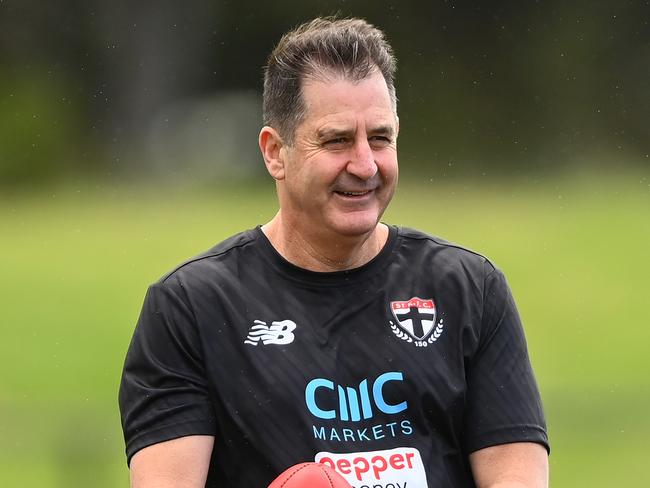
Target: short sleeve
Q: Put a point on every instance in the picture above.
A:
(163, 393)
(503, 401)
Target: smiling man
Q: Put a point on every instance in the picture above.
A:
(337, 176)
(392, 356)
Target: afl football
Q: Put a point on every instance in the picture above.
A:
(309, 475)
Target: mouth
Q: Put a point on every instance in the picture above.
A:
(354, 194)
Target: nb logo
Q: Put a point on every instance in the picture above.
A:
(279, 332)
(353, 404)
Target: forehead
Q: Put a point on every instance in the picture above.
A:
(338, 102)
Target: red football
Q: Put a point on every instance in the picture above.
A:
(309, 475)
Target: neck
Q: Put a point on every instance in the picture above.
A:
(320, 251)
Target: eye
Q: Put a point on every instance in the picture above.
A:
(380, 141)
(336, 142)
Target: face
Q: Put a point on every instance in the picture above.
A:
(340, 174)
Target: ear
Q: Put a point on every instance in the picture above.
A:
(271, 145)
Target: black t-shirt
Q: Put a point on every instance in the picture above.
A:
(392, 372)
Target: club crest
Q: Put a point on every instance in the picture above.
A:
(416, 321)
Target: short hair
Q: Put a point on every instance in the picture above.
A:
(351, 48)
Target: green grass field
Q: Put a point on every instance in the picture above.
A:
(76, 262)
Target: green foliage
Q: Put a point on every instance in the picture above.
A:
(76, 264)
(497, 87)
(38, 129)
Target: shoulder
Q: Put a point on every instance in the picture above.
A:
(444, 255)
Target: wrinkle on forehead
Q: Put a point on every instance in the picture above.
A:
(343, 108)
(329, 76)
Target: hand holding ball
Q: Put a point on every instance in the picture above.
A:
(309, 475)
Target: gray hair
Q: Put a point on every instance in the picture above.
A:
(351, 48)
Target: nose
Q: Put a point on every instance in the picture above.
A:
(362, 160)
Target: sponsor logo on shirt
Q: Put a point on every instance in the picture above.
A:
(351, 405)
(279, 333)
(416, 321)
(401, 467)
(354, 403)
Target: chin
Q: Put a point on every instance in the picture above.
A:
(352, 227)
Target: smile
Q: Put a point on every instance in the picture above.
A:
(353, 193)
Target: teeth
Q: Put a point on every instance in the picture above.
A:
(354, 193)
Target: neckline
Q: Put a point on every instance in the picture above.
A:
(334, 278)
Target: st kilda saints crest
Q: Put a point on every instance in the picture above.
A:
(416, 321)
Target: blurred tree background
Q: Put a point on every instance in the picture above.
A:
(164, 88)
(128, 143)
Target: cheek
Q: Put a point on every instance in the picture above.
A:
(323, 171)
(306, 183)
(388, 167)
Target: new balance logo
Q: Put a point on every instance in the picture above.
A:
(279, 332)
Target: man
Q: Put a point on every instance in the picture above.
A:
(325, 335)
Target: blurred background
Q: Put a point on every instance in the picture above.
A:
(128, 144)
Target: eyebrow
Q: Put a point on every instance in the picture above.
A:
(333, 133)
(384, 130)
